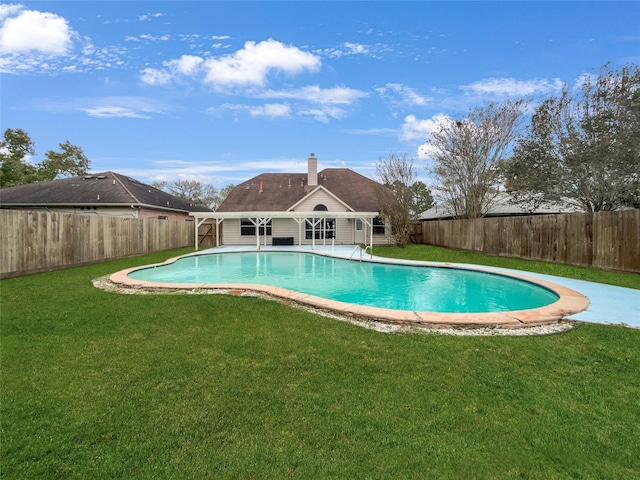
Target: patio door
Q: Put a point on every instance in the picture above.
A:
(359, 231)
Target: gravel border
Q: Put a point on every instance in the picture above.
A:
(105, 284)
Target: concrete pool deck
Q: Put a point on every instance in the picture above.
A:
(579, 300)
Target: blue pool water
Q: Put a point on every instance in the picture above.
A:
(397, 287)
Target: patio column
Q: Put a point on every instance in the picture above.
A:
(197, 225)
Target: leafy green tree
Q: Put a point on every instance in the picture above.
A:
(15, 147)
(422, 198)
(71, 160)
(16, 167)
(582, 146)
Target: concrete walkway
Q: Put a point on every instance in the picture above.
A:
(608, 304)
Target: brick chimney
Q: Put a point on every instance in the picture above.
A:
(312, 175)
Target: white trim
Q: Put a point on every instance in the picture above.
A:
(310, 194)
(290, 214)
(366, 217)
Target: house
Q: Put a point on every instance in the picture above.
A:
(501, 206)
(106, 194)
(334, 206)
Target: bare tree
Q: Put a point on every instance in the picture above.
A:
(467, 153)
(221, 195)
(196, 192)
(397, 173)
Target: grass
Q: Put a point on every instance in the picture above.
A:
(100, 385)
(439, 254)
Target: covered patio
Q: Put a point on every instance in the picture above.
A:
(261, 219)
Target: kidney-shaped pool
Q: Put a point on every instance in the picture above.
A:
(362, 287)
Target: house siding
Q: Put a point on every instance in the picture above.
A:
(121, 212)
(321, 197)
(345, 228)
(281, 227)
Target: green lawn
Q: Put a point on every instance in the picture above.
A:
(102, 385)
(431, 253)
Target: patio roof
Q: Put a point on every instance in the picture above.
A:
(259, 218)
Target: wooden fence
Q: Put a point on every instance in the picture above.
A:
(608, 240)
(36, 241)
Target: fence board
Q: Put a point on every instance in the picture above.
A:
(36, 241)
(609, 240)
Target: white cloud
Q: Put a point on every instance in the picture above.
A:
(376, 132)
(155, 38)
(510, 87)
(247, 67)
(273, 110)
(185, 65)
(9, 10)
(26, 31)
(149, 16)
(251, 65)
(414, 129)
(356, 48)
(114, 112)
(417, 130)
(407, 95)
(152, 76)
(349, 49)
(315, 94)
(106, 107)
(312, 101)
(324, 114)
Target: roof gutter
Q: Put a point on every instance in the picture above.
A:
(75, 205)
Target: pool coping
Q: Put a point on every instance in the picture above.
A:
(569, 302)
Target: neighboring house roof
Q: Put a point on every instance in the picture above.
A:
(274, 192)
(95, 190)
(501, 207)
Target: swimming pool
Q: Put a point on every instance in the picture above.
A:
(378, 289)
(381, 285)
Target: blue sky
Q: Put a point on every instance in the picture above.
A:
(222, 91)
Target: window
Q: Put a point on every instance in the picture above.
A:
(324, 227)
(247, 228)
(358, 224)
(378, 226)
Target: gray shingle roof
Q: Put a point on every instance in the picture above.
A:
(501, 207)
(96, 189)
(273, 192)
